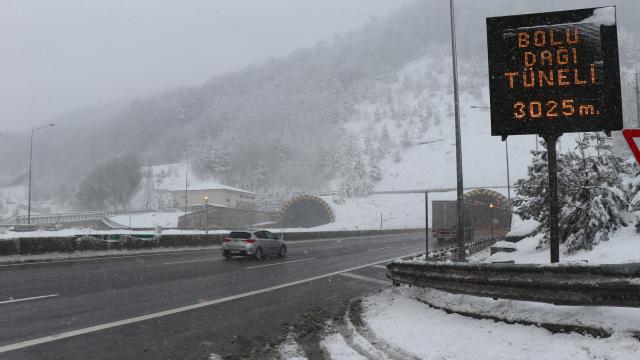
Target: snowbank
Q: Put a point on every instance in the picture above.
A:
(521, 227)
(622, 247)
(149, 220)
(433, 334)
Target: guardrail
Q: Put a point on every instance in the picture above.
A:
(52, 219)
(560, 284)
(470, 248)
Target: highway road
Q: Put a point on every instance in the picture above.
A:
(182, 305)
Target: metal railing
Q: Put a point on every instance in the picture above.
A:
(52, 219)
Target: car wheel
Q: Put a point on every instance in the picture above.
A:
(226, 255)
(259, 254)
(283, 251)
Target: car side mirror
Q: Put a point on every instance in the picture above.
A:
(276, 237)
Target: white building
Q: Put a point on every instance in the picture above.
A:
(218, 194)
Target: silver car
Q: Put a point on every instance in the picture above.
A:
(259, 244)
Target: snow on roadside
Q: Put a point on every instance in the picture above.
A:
(622, 320)
(434, 334)
(149, 220)
(290, 350)
(337, 348)
(521, 227)
(622, 247)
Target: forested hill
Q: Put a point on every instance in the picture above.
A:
(280, 122)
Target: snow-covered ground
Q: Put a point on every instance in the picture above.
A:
(168, 219)
(427, 333)
(622, 247)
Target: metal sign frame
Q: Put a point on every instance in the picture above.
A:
(554, 72)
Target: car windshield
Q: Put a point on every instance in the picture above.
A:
(319, 179)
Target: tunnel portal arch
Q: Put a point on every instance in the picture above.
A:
(305, 211)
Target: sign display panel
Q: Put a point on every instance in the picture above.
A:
(556, 72)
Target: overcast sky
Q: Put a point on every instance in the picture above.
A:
(60, 55)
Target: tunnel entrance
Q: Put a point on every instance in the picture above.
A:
(487, 211)
(305, 211)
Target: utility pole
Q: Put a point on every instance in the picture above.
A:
(460, 256)
(30, 166)
(186, 191)
(206, 214)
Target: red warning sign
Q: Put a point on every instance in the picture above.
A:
(630, 135)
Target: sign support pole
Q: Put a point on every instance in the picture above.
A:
(554, 236)
(426, 225)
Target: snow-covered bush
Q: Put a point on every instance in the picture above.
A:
(590, 193)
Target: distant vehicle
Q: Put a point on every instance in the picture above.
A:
(486, 215)
(444, 220)
(257, 244)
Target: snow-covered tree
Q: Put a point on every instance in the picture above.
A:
(589, 193)
(397, 156)
(406, 139)
(356, 182)
(595, 199)
(385, 144)
(375, 173)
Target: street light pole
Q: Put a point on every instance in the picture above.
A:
(30, 167)
(491, 207)
(206, 214)
(460, 256)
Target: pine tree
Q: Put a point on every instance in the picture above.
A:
(594, 197)
(589, 191)
(356, 183)
(385, 143)
(397, 157)
(375, 173)
(406, 139)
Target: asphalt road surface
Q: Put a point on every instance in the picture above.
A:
(182, 305)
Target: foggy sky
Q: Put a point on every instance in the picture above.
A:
(60, 55)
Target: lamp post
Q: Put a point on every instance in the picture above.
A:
(460, 253)
(30, 167)
(491, 207)
(206, 214)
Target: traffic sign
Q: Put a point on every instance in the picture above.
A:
(630, 135)
(554, 72)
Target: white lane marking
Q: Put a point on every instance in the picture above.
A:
(379, 266)
(279, 263)
(365, 278)
(106, 257)
(189, 261)
(27, 299)
(91, 329)
(382, 248)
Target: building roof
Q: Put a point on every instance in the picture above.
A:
(214, 186)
